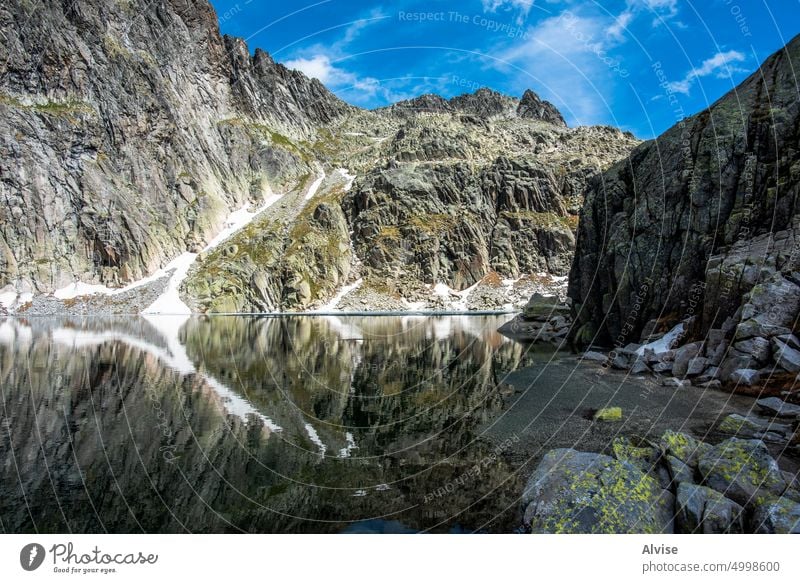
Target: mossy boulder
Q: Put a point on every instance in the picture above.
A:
(541, 307)
(776, 516)
(581, 493)
(742, 470)
(683, 446)
(609, 415)
(640, 454)
(703, 510)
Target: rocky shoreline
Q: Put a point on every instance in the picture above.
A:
(676, 483)
(489, 295)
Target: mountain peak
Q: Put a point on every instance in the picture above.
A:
(531, 106)
(485, 103)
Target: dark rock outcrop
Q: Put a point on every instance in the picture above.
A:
(700, 224)
(484, 103)
(531, 106)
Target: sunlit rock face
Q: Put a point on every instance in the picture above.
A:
(131, 134)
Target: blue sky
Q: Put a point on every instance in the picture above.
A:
(600, 62)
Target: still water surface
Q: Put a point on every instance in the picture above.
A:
(289, 424)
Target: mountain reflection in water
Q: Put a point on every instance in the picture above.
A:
(255, 424)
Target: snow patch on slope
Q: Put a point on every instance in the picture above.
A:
(664, 343)
(170, 301)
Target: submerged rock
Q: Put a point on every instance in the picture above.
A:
(573, 492)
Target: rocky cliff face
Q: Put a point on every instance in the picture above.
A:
(700, 225)
(442, 202)
(130, 134)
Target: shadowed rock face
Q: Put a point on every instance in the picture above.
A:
(681, 228)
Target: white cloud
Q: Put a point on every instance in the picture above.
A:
(662, 7)
(617, 29)
(660, 10)
(564, 54)
(320, 62)
(720, 65)
(336, 78)
(523, 7)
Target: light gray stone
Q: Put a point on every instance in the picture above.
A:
(745, 376)
(778, 407)
(787, 357)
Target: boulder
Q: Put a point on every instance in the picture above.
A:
(776, 516)
(541, 307)
(683, 356)
(717, 355)
(790, 340)
(697, 366)
(643, 456)
(745, 376)
(787, 357)
(714, 339)
(679, 471)
(684, 447)
(583, 493)
(754, 428)
(639, 367)
(706, 511)
(621, 362)
(773, 304)
(650, 356)
(778, 408)
(609, 414)
(742, 470)
(712, 373)
(751, 328)
(758, 348)
(663, 367)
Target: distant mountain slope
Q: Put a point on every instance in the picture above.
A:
(133, 133)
